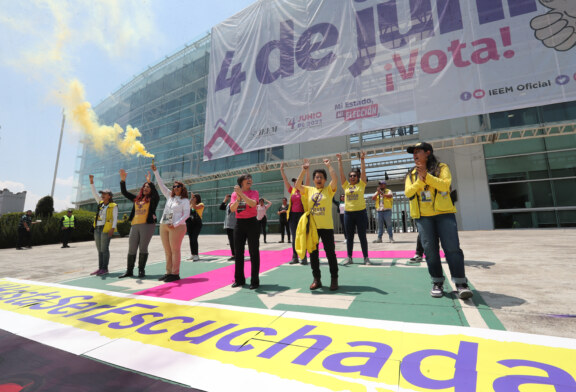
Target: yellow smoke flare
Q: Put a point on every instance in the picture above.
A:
(100, 136)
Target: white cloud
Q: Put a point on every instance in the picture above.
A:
(65, 181)
(12, 186)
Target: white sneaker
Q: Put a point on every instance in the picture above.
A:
(391, 240)
(367, 261)
(347, 261)
(195, 258)
(416, 259)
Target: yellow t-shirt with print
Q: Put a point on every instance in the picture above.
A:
(140, 212)
(319, 202)
(354, 200)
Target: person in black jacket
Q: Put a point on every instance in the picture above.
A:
(143, 219)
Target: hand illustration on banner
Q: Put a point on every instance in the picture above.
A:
(557, 28)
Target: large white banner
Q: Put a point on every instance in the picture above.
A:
(290, 71)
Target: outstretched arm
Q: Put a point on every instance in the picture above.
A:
(342, 176)
(363, 176)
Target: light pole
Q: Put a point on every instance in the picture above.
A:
(58, 155)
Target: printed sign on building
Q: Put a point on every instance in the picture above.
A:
(289, 72)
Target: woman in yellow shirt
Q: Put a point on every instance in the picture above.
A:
(355, 216)
(427, 187)
(319, 205)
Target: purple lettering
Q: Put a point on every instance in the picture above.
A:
(321, 343)
(305, 48)
(421, 23)
(62, 301)
(371, 368)
(560, 379)
(366, 40)
(225, 343)
(285, 46)
(137, 319)
(147, 329)
(121, 310)
(465, 374)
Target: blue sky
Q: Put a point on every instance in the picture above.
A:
(46, 43)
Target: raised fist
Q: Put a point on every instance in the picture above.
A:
(557, 28)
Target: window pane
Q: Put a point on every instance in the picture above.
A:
(565, 192)
(517, 168)
(521, 195)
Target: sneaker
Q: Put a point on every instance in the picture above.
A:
(294, 261)
(97, 272)
(463, 291)
(416, 259)
(281, 242)
(437, 290)
(195, 258)
(232, 258)
(304, 261)
(391, 240)
(19, 248)
(347, 261)
(367, 261)
(102, 272)
(163, 277)
(377, 241)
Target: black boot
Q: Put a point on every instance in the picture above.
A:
(130, 267)
(142, 259)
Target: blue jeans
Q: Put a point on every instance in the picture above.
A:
(385, 216)
(102, 240)
(356, 221)
(443, 227)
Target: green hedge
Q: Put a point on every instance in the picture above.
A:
(48, 231)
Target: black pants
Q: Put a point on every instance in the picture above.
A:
(293, 223)
(263, 222)
(247, 229)
(327, 237)
(230, 234)
(194, 227)
(66, 233)
(419, 247)
(24, 238)
(284, 229)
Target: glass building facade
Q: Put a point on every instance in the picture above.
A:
(531, 180)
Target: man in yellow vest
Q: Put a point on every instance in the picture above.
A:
(383, 202)
(67, 224)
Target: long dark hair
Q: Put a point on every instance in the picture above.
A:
(146, 198)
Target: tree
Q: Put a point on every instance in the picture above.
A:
(45, 206)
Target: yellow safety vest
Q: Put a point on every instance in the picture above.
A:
(68, 221)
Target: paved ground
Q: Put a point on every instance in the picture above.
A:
(522, 280)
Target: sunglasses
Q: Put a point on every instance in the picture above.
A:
(353, 175)
(177, 186)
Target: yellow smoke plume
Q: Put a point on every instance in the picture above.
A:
(100, 136)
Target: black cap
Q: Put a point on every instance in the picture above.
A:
(70, 210)
(382, 182)
(420, 146)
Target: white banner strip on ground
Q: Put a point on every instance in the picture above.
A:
(284, 72)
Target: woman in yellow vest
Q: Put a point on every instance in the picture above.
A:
(427, 186)
(104, 226)
(319, 206)
(355, 216)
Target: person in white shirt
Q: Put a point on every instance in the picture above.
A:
(173, 225)
(104, 226)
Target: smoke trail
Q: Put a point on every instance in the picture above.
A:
(48, 49)
(100, 136)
